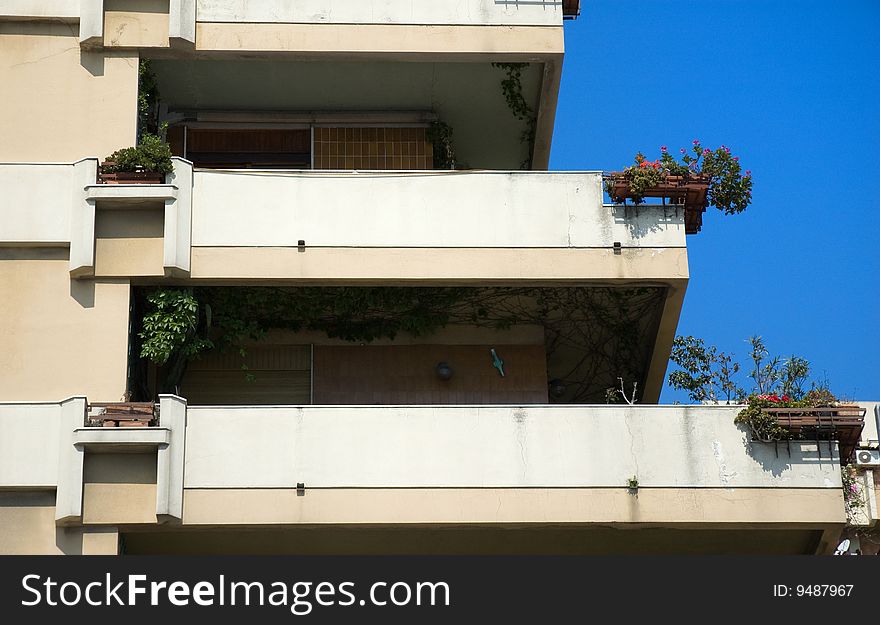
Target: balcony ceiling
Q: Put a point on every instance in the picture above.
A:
(467, 96)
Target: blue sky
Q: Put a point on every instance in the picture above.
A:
(793, 88)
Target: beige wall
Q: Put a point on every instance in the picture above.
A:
(27, 527)
(129, 242)
(136, 23)
(119, 488)
(58, 103)
(60, 337)
(691, 507)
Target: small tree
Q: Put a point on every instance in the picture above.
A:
(706, 374)
(765, 371)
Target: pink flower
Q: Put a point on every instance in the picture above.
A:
(707, 152)
(726, 150)
(748, 173)
(682, 150)
(736, 158)
(662, 148)
(696, 142)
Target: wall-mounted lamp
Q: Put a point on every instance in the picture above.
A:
(556, 388)
(444, 371)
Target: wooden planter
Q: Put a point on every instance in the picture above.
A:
(832, 423)
(129, 177)
(688, 191)
(124, 414)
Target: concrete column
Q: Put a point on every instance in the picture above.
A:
(82, 219)
(169, 471)
(182, 22)
(178, 220)
(68, 496)
(91, 23)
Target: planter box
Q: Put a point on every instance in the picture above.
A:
(129, 177)
(124, 414)
(688, 192)
(841, 423)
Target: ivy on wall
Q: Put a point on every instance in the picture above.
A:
(511, 88)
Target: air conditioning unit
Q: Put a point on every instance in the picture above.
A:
(868, 457)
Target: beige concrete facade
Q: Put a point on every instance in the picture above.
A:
(129, 242)
(501, 470)
(669, 507)
(136, 24)
(60, 337)
(61, 103)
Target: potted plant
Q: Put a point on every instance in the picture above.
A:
(146, 163)
(817, 414)
(709, 177)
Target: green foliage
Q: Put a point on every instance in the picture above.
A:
(605, 323)
(729, 188)
(705, 373)
(440, 135)
(853, 496)
(765, 371)
(171, 326)
(152, 154)
(793, 376)
(148, 99)
(511, 88)
(632, 483)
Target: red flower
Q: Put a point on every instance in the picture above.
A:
(643, 164)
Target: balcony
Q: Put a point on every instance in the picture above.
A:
(411, 467)
(313, 226)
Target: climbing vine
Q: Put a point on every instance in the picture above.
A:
(593, 335)
(511, 88)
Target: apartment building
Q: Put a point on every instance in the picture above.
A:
(407, 328)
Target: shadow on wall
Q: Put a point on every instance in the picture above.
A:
(83, 291)
(641, 224)
(92, 62)
(776, 457)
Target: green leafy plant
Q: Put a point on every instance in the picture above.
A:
(170, 332)
(152, 154)
(704, 372)
(853, 495)
(440, 135)
(729, 188)
(707, 374)
(512, 89)
(148, 99)
(233, 317)
(632, 483)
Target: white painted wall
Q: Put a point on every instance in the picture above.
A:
(35, 205)
(67, 10)
(29, 442)
(464, 12)
(494, 446)
(420, 209)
